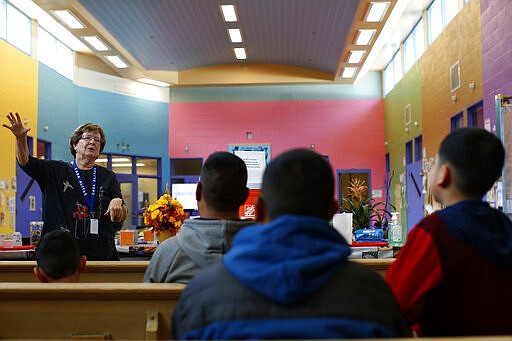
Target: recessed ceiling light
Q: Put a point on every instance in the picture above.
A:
(364, 37)
(115, 159)
(154, 82)
(349, 72)
(127, 165)
(96, 43)
(376, 11)
(117, 61)
(355, 56)
(235, 35)
(240, 53)
(69, 19)
(229, 13)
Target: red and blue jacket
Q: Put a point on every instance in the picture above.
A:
(454, 274)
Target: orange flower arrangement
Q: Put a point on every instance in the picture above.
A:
(166, 214)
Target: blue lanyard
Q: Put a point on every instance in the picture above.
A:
(88, 199)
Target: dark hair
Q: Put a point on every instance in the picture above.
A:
(476, 157)
(299, 181)
(85, 128)
(224, 181)
(57, 254)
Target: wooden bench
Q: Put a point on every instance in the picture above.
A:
(87, 310)
(95, 271)
(379, 265)
(125, 271)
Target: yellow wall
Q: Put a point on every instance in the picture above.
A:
(18, 92)
(460, 41)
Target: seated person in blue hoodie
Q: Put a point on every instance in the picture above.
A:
(221, 189)
(289, 277)
(454, 274)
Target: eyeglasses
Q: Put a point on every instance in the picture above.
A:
(90, 138)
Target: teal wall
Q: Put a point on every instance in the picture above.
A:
(57, 109)
(142, 123)
(369, 87)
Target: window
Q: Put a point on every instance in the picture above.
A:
(418, 148)
(392, 73)
(456, 121)
(54, 54)
(451, 8)
(3, 20)
(397, 68)
(435, 20)
(408, 153)
(388, 78)
(419, 39)
(476, 115)
(414, 46)
(18, 29)
(440, 13)
(409, 52)
(140, 179)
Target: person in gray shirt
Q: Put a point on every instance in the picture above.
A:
(201, 242)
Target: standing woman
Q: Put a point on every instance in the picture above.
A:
(78, 196)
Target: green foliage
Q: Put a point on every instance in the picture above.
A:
(365, 212)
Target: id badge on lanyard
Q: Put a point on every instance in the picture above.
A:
(89, 199)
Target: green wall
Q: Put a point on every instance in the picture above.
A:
(407, 91)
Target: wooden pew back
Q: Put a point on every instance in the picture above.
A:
(125, 271)
(87, 310)
(95, 271)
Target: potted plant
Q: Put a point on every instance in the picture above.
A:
(366, 213)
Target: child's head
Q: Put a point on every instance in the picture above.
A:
(475, 158)
(58, 258)
(298, 181)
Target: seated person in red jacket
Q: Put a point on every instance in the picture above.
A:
(454, 274)
(58, 258)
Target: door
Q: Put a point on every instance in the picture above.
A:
(414, 193)
(129, 189)
(29, 198)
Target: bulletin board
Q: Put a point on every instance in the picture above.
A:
(256, 158)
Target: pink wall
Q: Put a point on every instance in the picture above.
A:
(350, 132)
(496, 53)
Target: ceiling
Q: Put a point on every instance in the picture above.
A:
(185, 42)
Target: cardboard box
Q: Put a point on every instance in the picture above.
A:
(371, 252)
(149, 236)
(128, 237)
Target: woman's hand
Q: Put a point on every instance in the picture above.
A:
(16, 126)
(117, 210)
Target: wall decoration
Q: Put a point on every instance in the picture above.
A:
(256, 158)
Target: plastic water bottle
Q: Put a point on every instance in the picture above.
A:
(395, 231)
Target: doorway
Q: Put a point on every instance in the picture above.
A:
(128, 183)
(414, 183)
(29, 198)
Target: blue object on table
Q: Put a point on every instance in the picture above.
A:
(369, 235)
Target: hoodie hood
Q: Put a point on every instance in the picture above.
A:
(287, 259)
(486, 229)
(204, 241)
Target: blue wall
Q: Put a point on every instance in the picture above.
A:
(57, 109)
(369, 87)
(142, 123)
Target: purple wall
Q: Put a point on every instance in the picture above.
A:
(496, 52)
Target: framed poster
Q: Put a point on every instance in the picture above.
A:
(256, 158)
